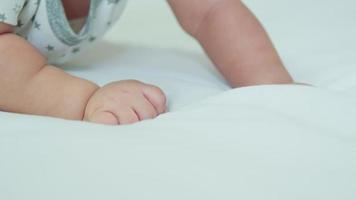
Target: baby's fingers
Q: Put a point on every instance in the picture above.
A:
(120, 116)
(156, 97)
(126, 115)
(144, 108)
(106, 117)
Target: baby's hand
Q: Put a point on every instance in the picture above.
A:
(125, 102)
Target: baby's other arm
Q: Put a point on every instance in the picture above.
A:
(234, 40)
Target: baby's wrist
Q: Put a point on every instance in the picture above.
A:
(87, 106)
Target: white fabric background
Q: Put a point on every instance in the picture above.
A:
(265, 142)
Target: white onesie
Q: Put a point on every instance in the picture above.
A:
(44, 24)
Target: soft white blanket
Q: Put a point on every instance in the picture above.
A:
(263, 142)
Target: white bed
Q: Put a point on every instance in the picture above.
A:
(265, 142)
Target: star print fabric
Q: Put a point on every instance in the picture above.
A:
(10, 10)
(44, 24)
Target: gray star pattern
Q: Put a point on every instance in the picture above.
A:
(37, 25)
(76, 50)
(92, 39)
(3, 17)
(20, 24)
(50, 48)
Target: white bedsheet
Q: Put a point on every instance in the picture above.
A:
(263, 142)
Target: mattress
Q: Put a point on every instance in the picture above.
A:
(268, 142)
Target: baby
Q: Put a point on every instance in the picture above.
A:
(36, 35)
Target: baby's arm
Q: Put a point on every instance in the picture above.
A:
(233, 39)
(28, 85)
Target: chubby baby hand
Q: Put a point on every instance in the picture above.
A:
(125, 102)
